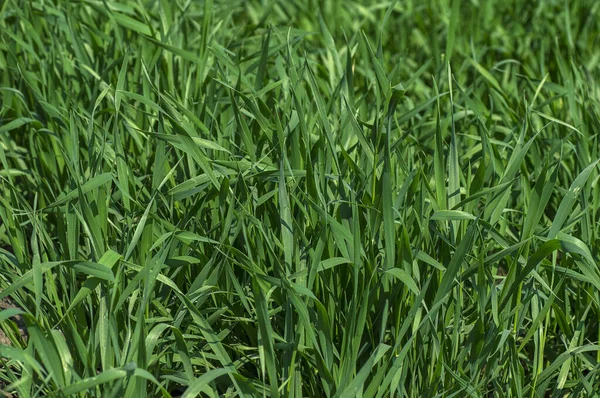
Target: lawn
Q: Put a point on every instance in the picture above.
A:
(287, 198)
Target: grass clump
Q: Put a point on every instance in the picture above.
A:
(304, 199)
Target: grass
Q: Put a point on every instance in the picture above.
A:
(303, 199)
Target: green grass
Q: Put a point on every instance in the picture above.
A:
(300, 198)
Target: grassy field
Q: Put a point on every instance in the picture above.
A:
(295, 198)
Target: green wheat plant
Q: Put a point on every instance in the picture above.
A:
(294, 198)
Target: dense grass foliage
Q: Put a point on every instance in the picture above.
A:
(300, 198)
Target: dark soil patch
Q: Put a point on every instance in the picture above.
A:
(8, 303)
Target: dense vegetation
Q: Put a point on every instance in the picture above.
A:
(300, 198)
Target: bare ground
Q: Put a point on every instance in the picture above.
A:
(8, 303)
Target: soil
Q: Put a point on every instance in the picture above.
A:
(4, 304)
(7, 303)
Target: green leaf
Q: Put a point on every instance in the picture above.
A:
(566, 205)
